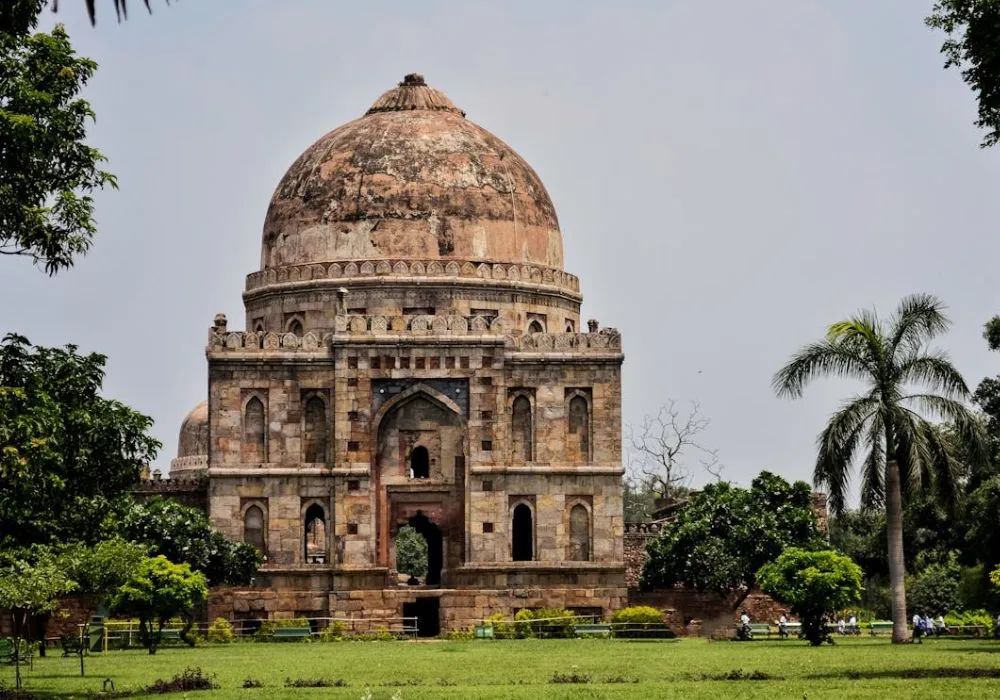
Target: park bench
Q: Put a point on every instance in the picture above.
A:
(72, 645)
(484, 632)
(170, 636)
(589, 629)
(880, 627)
(791, 628)
(291, 633)
(760, 629)
(24, 652)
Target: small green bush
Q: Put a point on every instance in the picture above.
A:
(544, 623)
(334, 632)
(637, 614)
(501, 628)
(969, 617)
(220, 632)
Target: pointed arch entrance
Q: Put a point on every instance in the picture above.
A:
(419, 474)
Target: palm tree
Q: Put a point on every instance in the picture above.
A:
(904, 382)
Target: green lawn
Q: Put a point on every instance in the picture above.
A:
(524, 669)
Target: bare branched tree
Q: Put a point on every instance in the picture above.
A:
(662, 446)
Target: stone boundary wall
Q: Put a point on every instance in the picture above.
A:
(190, 492)
(351, 270)
(460, 608)
(690, 612)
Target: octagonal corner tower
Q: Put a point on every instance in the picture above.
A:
(411, 192)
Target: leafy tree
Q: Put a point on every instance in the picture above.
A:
(991, 333)
(904, 453)
(49, 172)
(66, 452)
(982, 522)
(20, 15)
(814, 584)
(861, 535)
(973, 34)
(157, 591)
(102, 568)
(995, 577)
(724, 534)
(30, 588)
(934, 591)
(411, 552)
(184, 535)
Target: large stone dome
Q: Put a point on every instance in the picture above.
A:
(412, 179)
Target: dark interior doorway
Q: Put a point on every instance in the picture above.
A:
(522, 534)
(420, 463)
(428, 614)
(435, 547)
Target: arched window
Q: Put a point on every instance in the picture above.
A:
(253, 432)
(253, 528)
(258, 326)
(522, 534)
(579, 533)
(521, 429)
(420, 463)
(295, 327)
(314, 438)
(535, 327)
(578, 444)
(315, 534)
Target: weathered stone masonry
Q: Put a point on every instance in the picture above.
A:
(413, 355)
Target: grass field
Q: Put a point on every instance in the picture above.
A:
(525, 668)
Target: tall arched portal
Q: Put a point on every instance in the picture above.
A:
(420, 476)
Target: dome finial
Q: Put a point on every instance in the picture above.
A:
(413, 93)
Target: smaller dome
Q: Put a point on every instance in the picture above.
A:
(193, 441)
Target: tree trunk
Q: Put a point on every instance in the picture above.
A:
(897, 565)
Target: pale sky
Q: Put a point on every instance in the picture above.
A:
(730, 177)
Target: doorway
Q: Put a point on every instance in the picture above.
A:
(428, 614)
(435, 546)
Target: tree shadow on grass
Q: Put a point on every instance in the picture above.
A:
(908, 673)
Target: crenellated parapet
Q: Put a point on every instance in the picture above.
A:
(360, 327)
(412, 270)
(604, 340)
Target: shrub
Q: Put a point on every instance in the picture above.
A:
(252, 683)
(463, 634)
(220, 632)
(501, 628)
(315, 683)
(574, 677)
(637, 614)
(969, 617)
(334, 632)
(934, 591)
(544, 623)
(190, 679)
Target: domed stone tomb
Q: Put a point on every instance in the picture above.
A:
(413, 355)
